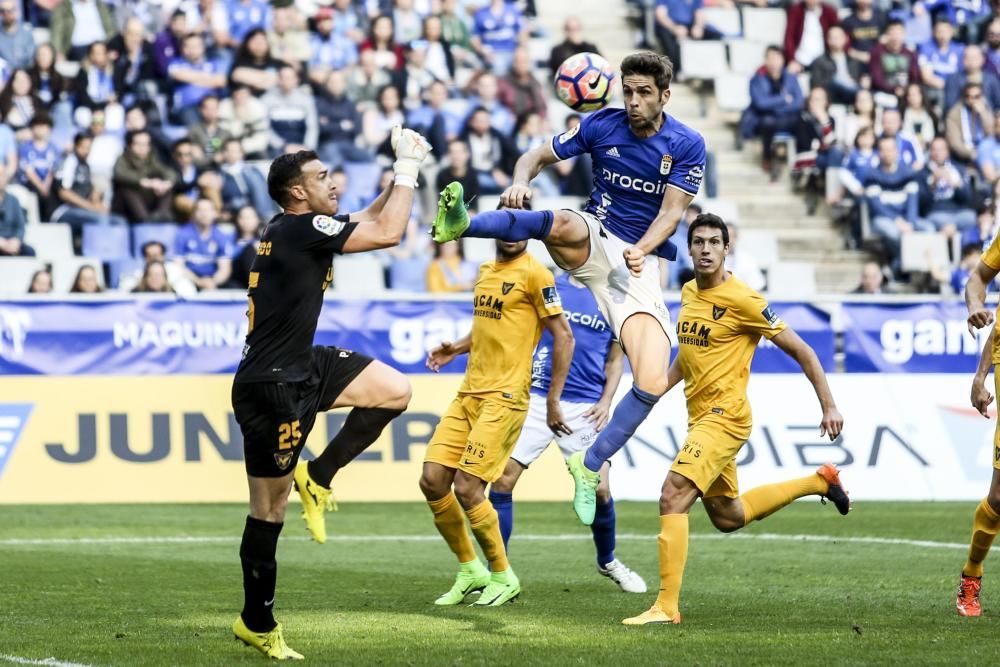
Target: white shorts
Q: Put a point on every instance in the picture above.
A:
(619, 294)
(536, 434)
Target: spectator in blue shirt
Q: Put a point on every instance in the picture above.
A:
(203, 250)
(908, 149)
(676, 21)
(12, 223)
(945, 198)
(37, 162)
(939, 58)
(433, 120)
(497, 30)
(17, 43)
(775, 103)
(988, 153)
(972, 72)
(892, 198)
(966, 15)
(194, 78)
(859, 162)
(245, 15)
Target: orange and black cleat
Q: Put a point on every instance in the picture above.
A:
(836, 493)
(968, 596)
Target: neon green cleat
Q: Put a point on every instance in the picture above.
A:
(586, 480)
(504, 587)
(472, 576)
(271, 644)
(316, 500)
(452, 218)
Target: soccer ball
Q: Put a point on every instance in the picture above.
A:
(584, 82)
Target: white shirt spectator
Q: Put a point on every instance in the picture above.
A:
(813, 44)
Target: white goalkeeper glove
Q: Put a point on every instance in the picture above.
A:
(411, 150)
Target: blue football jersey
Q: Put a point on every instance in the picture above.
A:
(585, 380)
(631, 174)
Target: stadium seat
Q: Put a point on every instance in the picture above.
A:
(920, 251)
(791, 280)
(358, 275)
(143, 233)
(732, 92)
(16, 273)
(106, 242)
(761, 244)
(763, 24)
(28, 200)
(745, 57)
(703, 60)
(122, 267)
(409, 275)
(64, 272)
(724, 19)
(50, 239)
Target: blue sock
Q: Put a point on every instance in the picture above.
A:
(511, 225)
(603, 529)
(631, 412)
(503, 503)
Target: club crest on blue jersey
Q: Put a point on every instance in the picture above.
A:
(665, 164)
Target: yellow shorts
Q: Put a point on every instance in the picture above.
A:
(708, 457)
(476, 435)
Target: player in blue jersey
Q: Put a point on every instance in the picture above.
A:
(573, 409)
(647, 168)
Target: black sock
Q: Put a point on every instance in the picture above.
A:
(260, 573)
(362, 427)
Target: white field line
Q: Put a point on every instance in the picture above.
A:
(51, 662)
(566, 537)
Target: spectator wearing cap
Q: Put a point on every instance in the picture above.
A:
(408, 23)
(208, 134)
(940, 58)
(519, 90)
(972, 72)
(775, 103)
(988, 153)
(573, 43)
(331, 50)
(339, 123)
(291, 110)
(366, 80)
(945, 199)
(488, 97)
(167, 45)
(676, 21)
(244, 117)
(806, 27)
(434, 120)
(968, 123)
(134, 63)
(835, 70)
(242, 184)
(142, 184)
(246, 16)
(194, 76)
(17, 43)
(909, 150)
(12, 223)
(864, 25)
(76, 24)
(498, 29)
(254, 66)
(203, 250)
(893, 66)
(492, 154)
(37, 160)
(381, 41)
(79, 201)
(288, 40)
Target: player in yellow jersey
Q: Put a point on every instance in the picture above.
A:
(986, 521)
(720, 323)
(515, 296)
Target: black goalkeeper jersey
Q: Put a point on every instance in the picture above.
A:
(293, 268)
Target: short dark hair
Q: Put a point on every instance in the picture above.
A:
(132, 134)
(658, 66)
(149, 244)
(970, 248)
(970, 86)
(286, 171)
(82, 136)
(884, 138)
(893, 22)
(40, 118)
(708, 220)
(774, 48)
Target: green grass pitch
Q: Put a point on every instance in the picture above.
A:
(751, 600)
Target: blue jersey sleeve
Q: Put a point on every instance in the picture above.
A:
(688, 167)
(580, 139)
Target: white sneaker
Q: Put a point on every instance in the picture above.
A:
(627, 580)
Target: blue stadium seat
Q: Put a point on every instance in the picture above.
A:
(106, 242)
(409, 275)
(121, 267)
(362, 179)
(153, 231)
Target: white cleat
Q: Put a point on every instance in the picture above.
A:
(627, 580)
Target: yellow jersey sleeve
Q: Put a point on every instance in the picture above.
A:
(991, 257)
(757, 316)
(544, 294)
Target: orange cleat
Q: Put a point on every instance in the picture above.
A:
(653, 616)
(836, 493)
(968, 596)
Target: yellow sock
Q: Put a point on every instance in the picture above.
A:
(451, 524)
(673, 542)
(486, 527)
(984, 529)
(766, 500)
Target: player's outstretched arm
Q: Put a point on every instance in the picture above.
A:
(981, 396)
(975, 296)
(527, 167)
(614, 367)
(675, 202)
(562, 355)
(385, 228)
(445, 353)
(797, 349)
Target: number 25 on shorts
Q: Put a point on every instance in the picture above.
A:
(289, 435)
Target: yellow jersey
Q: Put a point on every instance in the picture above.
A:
(717, 331)
(509, 303)
(991, 258)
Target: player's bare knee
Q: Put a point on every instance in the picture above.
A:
(725, 524)
(469, 490)
(677, 495)
(434, 482)
(401, 393)
(505, 484)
